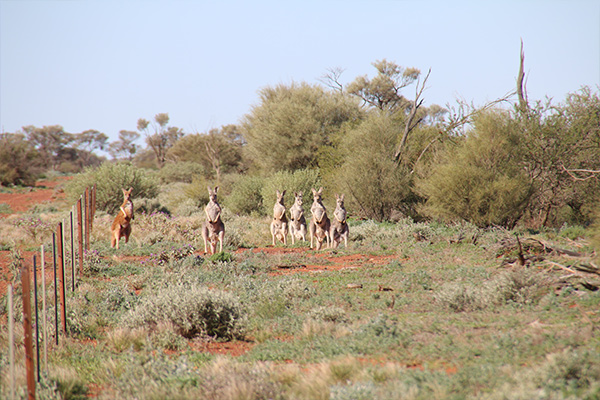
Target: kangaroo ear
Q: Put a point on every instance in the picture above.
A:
(321, 190)
(216, 189)
(299, 193)
(209, 190)
(342, 197)
(283, 194)
(314, 191)
(130, 190)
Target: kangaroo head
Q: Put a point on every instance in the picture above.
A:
(339, 201)
(280, 197)
(127, 194)
(212, 194)
(298, 197)
(317, 195)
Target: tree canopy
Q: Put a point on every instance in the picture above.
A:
(285, 130)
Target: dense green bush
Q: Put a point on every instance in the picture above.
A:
(184, 171)
(245, 197)
(192, 310)
(480, 180)
(298, 181)
(109, 179)
(374, 184)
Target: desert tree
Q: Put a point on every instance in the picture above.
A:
(124, 147)
(291, 122)
(218, 150)
(384, 90)
(159, 136)
(49, 141)
(17, 157)
(87, 142)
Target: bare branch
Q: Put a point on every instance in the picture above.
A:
(410, 123)
(331, 78)
(464, 113)
(521, 91)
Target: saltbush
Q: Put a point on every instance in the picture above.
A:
(192, 310)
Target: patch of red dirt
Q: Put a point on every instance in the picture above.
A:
(335, 262)
(44, 192)
(6, 276)
(235, 348)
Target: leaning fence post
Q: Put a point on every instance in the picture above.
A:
(64, 254)
(11, 341)
(37, 319)
(27, 328)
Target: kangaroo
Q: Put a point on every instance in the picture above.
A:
(280, 221)
(297, 220)
(213, 228)
(121, 226)
(339, 227)
(319, 223)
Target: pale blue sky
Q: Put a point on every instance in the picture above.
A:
(104, 64)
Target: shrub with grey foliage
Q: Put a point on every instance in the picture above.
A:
(192, 310)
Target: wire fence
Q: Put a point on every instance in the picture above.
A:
(65, 252)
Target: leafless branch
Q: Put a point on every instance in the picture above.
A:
(331, 78)
(521, 91)
(410, 122)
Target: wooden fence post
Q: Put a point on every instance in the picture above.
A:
(61, 277)
(11, 341)
(80, 236)
(87, 219)
(93, 206)
(27, 328)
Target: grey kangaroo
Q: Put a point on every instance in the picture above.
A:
(279, 223)
(297, 220)
(319, 222)
(213, 229)
(339, 227)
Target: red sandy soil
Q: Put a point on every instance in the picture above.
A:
(45, 191)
